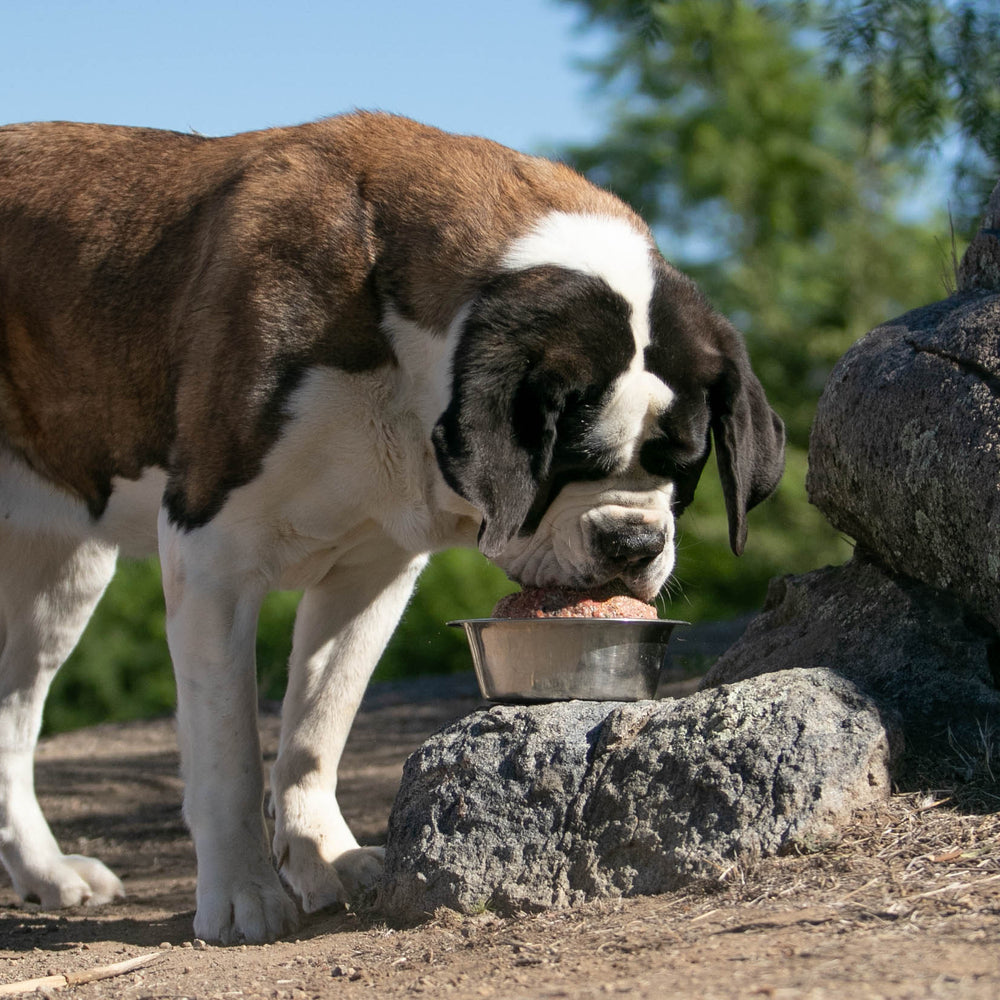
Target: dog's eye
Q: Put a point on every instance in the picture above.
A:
(661, 457)
(578, 452)
(680, 439)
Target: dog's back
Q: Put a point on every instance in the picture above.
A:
(146, 274)
(98, 234)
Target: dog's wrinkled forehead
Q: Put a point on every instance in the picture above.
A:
(582, 359)
(622, 259)
(604, 247)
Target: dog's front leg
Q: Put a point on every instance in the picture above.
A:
(341, 629)
(213, 591)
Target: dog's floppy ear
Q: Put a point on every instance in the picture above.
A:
(749, 442)
(494, 447)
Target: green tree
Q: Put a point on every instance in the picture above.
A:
(928, 72)
(755, 140)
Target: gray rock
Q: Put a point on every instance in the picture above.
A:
(521, 808)
(917, 653)
(980, 266)
(905, 448)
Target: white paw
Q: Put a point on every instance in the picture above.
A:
(319, 884)
(361, 868)
(71, 880)
(105, 886)
(317, 855)
(313, 880)
(253, 911)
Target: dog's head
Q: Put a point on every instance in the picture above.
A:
(589, 379)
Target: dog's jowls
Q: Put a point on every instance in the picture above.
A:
(306, 358)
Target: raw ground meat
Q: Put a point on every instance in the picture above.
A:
(564, 602)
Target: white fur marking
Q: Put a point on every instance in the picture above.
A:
(637, 400)
(613, 250)
(426, 359)
(602, 245)
(31, 503)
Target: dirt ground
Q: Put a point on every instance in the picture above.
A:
(907, 904)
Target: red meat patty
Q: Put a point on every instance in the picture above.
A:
(564, 602)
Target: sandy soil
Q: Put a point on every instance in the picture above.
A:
(906, 905)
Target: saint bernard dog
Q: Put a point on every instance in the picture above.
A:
(306, 358)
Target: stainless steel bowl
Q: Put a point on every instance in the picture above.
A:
(556, 659)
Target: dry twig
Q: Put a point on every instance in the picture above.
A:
(76, 978)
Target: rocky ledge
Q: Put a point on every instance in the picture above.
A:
(526, 807)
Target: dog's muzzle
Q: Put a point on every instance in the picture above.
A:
(594, 533)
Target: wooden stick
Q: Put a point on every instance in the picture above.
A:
(76, 978)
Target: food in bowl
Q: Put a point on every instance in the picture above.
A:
(564, 602)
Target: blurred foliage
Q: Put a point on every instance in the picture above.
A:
(921, 72)
(787, 154)
(927, 71)
(120, 669)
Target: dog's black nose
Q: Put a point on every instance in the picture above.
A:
(630, 547)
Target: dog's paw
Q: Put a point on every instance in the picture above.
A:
(70, 880)
(104, 884)
(251, 911)
(320, 884)
(316, 853)
(360, 869)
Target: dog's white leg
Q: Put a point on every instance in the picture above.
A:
(213, 588)
(48, 590)
(341, 629)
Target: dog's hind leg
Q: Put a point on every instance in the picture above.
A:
(49, 587)
(341, 629)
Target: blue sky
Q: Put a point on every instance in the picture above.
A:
(503, 68)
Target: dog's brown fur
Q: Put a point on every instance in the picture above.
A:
(160, 293)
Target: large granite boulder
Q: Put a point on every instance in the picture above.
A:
(521, 808)
(905, 448)
(917, 653)
(904, 457)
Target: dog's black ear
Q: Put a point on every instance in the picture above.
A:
(749, 442)
(494, 448)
